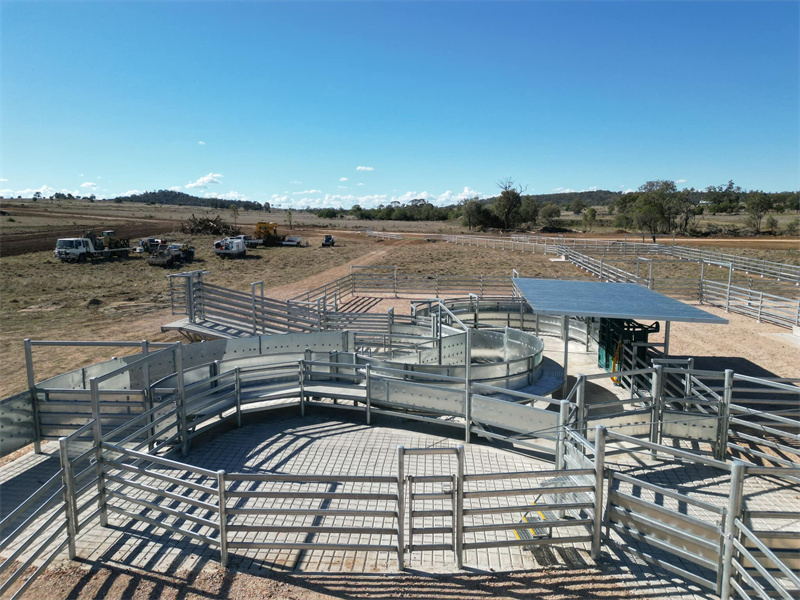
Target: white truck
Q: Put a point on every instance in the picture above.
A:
(230, 248)
(84, 248)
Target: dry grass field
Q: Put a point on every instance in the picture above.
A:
(44, 299)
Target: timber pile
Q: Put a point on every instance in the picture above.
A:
(209, 226)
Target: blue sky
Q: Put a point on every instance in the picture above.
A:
(341, 103)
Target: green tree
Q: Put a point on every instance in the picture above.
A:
(470, 211)
(758, 204)
(530, 210)
(589, 218)
(234, 208)
(550, 215)
(577, 205)
(289, 218)
(507, 204)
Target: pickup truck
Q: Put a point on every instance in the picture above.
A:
(230, 248)
(250, 241)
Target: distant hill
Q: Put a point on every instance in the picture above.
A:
(179, 198)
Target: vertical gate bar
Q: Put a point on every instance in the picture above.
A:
(599, 466)
(182, 399)
(238, 386)
(301, 374)
(367, 381)
(563, 415)
(401, 511)
(468, 386)
(223, 519)
(69, 491)
(459, 512)
(733, 512)
(724, 417)
(580, 399)
(410, 508)
(148, 399)
(97, 430)
(37, 435)
(655, 407)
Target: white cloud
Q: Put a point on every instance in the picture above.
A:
(359, 168)
(204, 181)
(6, 192)
(131, 193)
(201, 143)
(359, 184)
(592, 189)
(342, 187)
(45, 191)
(306, 192)
(450, 198)
(227, 196)
(89, 185)
(343, 178)
(562, 190)
(175, 188)
(295, 182)
(681, 181)
(3, 179)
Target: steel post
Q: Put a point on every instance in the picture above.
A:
(238, 387)
(69, 496)
(37, 435)
(599, 467)
(468, 385)
(733, 512)
(182, 400)
(97, 431)
(223, 519)
(367, 382)
(401, 508)
(724, 416)
(459, 513)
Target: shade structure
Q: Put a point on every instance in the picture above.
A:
(607, 300)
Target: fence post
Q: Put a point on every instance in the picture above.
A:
(733, 512)
(189, 290)
(37, 435)
(467, 385)
(580, 399)
(97, 431)
(223, 520)
(655, 412)
(253, 305)
(563, 415)
(182, 400)
(238, 386)
(702, 279)
(69, 498)
(401, 508)
(367, 381)
(760, 305)
(728, 291)
(599, 468)
(459, 521)
(301, 370)
(724, 416)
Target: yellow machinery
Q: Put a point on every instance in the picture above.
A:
(268, 233)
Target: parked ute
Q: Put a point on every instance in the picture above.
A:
(250, 241)
(230, 248)
(293, 240)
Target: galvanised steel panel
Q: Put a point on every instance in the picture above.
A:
(630, 513)
(416, 396)
(689, 426)
(17, 427)
(514, 417)
(575, 459)
(632, 423)
(608, 300)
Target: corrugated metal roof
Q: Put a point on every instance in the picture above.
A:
(609, 300)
